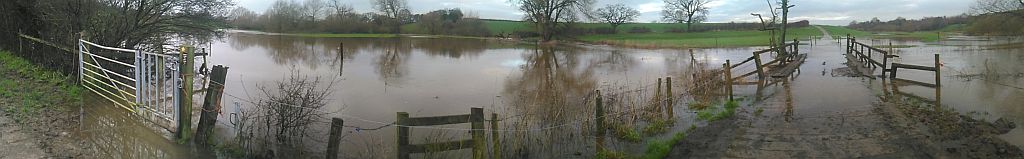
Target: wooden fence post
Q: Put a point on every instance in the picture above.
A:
(796, 47)
(403, 135)
(728, 78)
(892, 71)
(599, 114)
(211, 105)
(479, 141)
(185, 109)
(334, 141)
(668, 89)
(657, 97)
(757, 64)
(495, 141)
(938, 73)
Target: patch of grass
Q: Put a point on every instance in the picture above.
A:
(706, 114)
(611, 154)
(628, 134)
(697, 106)
(728, 110)
(661, 149)
(840, 31)
(658, 126)
(32, 87)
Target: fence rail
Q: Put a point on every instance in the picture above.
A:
(477, 143)
(865, 54)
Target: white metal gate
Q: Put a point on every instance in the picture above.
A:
(147, 85)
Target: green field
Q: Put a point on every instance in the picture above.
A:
(926, 36)
(696, 40)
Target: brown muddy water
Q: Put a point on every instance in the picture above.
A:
(544, 95)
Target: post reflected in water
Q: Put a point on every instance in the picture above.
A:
(789, 100)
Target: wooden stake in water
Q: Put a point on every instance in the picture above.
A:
(495, 140)
(211, 105)
(335, 138)
(599, 115)
(669, 94)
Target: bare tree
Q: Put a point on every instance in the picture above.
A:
(1010, 7)
(394, 10)
(312, 9)
(547, 14)
(339, 8)
(688, 11)
(616, 14)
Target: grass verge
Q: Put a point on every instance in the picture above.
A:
(27, 89)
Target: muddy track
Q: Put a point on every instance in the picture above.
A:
(48, 131)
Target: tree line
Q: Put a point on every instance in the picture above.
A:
(333, 16)
(986, 17)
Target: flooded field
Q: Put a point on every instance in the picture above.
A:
(544, 97)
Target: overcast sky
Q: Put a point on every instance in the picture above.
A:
(829, 12)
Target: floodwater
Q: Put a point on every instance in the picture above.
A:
(377, 77)
(543, 95)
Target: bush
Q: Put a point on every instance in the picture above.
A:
(639, 30)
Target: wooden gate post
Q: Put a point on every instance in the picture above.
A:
(495, 141)
(335, 139)
(211, 105)
(185, 67)
(479, 141)
(403, 135)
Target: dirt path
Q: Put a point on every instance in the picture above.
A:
(14, 143)
(828, 116)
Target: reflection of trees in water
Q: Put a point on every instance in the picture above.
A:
(454, 47)
(390, 62)
(616, 61)
(292, 50)
(552, 90)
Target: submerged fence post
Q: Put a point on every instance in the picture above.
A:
(668, 89)
(657, 97)
(335, 138)
(185, 109)
(403, 135)
(479, 141)
(728, 78)
(211, 105)
(599, 114)
(495, 141)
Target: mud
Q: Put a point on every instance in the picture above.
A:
(48, 132)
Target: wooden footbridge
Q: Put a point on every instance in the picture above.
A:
(786, 60)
